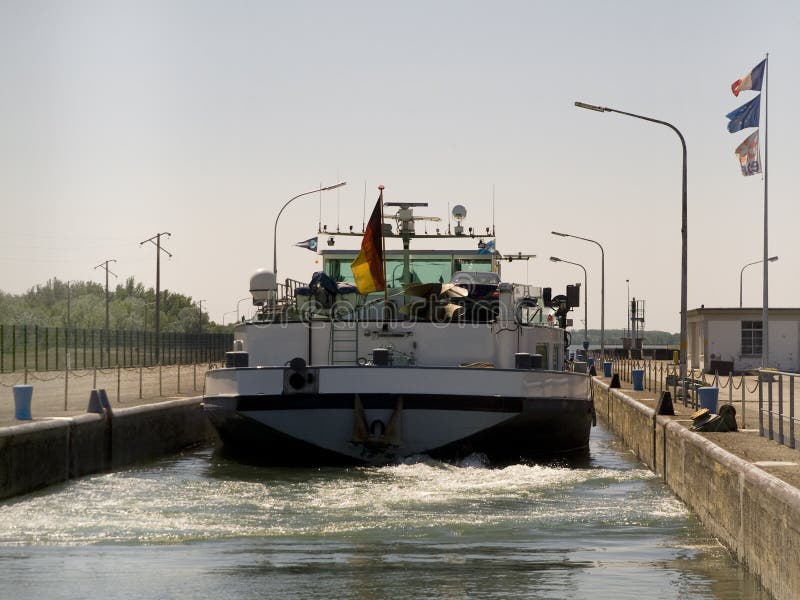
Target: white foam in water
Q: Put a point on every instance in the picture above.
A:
(173, 503)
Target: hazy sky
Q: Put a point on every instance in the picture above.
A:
(120, 120)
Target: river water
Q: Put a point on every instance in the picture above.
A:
(201, 526)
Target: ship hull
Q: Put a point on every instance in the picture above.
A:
(339, 415)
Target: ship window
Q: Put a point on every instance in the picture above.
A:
(751, 338)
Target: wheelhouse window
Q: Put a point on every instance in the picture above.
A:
(751, 338)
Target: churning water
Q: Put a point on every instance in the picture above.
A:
(201, 526)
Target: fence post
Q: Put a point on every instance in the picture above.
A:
(744, 391)
(26, 376)
(760, 405)
(94, 377)
(194, 377)
(119, 377)
(791, 413)
(66, 385)
(36, 347)
(140, 382)
(160, 392)
(780, 409)
(179, 379)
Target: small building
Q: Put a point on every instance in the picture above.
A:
(721, 339)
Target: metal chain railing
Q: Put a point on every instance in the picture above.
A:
(775, 392)
(131, 383)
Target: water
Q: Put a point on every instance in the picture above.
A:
(200, 526)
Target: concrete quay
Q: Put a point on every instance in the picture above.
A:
(745, 489)
(64, 441)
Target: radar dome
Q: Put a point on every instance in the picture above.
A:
(263, 284)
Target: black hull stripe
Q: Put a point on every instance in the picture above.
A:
(410, 402)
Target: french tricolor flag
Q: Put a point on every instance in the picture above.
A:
(751, 81)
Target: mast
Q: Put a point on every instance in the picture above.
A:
(765, 306)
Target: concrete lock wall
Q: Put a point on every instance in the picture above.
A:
(756, 515)
(35, 455)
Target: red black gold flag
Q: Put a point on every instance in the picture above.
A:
(368, 265)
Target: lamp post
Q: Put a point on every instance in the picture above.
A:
(628, 309)
(230, 312)
(288, 202)
(741, 273)
(602, 289)
(238, 302)
(683, 224)
(585, 296)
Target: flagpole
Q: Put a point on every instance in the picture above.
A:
(765, 306)
(383, 255)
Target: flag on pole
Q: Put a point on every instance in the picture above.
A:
(309, 244)
(368, 265)
(745, 116)
(749, 156)
(488, 248)
(751, 81)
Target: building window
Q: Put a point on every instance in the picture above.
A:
(751, 338)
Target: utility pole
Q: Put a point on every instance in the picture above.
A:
(200, 322)
(156, 241)
(104, 265)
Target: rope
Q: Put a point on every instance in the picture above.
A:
(749, 391)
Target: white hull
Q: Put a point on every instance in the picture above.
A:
(345, 414)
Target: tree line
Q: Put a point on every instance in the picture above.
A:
(131, 307)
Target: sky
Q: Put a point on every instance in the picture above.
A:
(123, 119)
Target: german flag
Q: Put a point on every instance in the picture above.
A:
(368, 265)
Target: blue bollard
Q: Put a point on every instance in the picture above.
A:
(22, 402)
(708, 397)
(637, 375)
(607, 369)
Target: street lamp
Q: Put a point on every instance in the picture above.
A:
(230, 312)
(628, 310)
(275, 233)
(602, 289)
(585, 297)
(238, 302)
(755, 262)
(683, 225)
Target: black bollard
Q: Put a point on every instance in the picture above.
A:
(614, 381)
(593, 371)
(665, 404)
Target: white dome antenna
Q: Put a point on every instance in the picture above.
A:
(459, 214)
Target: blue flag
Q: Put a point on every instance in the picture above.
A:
(488, 248)
(309, 244)
(745, 116)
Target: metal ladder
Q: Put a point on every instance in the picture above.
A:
(344, 343)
